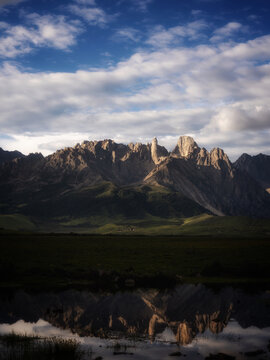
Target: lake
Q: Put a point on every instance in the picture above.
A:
(191, 321)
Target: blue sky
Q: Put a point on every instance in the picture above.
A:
(134, 69)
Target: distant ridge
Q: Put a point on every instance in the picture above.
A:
(9, 155)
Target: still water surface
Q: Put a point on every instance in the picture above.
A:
(148, 324)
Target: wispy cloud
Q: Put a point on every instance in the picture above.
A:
(48, 30)
(137, 5)
(87, 10)
(86, 2)
(127, 34)
(9, 2)
(162, 37)
(196, 12)
(142, 5)
(93, 15)
(227, 31)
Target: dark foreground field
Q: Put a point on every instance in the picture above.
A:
(41, 261)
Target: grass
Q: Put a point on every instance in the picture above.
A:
(25, 347)
(89, 208)
(148, 224)
(60, 260)
(108, 209)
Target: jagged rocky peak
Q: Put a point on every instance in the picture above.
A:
(243, 158)
(219, 159)
(107, 144)
(186, 147)
(258, 167)
(203, 157)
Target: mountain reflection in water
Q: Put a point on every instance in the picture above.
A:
(189, 315)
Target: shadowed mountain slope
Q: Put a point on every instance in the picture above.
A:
(6, 156)
(258, 167)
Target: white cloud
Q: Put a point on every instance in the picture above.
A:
(55, 31)
(94, 16)
(217, 93)
(47, 30)
(227, 31)
(87, 10)
(162, 37)
(238, 118)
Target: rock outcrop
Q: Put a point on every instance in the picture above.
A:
(186, 147)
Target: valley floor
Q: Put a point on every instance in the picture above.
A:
(51, 261)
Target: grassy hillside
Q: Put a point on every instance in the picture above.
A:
(108, 200)
(204, 225)
(108, 209)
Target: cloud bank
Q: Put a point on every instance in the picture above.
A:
(217, 92)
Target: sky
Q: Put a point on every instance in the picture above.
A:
(131, 70)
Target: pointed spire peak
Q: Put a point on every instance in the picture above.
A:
(154, 142)
(154, 152)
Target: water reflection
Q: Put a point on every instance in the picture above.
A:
(196, 318)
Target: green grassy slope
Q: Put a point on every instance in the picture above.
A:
(203, 225)
(108, 209)
(109, 200)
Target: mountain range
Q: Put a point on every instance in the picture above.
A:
(100, 182)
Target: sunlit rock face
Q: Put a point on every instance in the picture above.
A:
(158, 153)
(188, 310)
(207, 178)
(186, 147)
